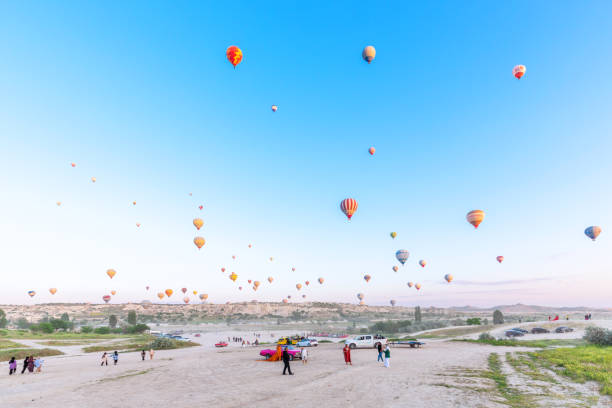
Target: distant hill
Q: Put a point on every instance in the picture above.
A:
(526, 309)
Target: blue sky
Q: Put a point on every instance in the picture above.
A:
(140, 96)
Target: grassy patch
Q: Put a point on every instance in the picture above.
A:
(512, 396)
(21, 354)
(7, 344)
(142, 342)
(454, 331)
(526, 343)
(527, 366)
(584, 363)
(69, 342)
(26, 334)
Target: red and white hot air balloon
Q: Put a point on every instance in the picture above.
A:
(518, 71)
(348, 207)
(500, 259)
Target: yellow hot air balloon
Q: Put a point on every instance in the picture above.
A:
(417, 286)
(448, 277)
(321, 280)
(368, 54)
(233, 276)
(393, 234)
(195, 292)
(53, 291)
(475, 217)
(270, 279)
(298, 286)
(198, 223)
(113, 292)
(111, 273)
(256, 284)
(199, 242)
(169, 292)
(160, 295)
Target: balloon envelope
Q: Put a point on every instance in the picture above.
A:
(402, 255)
(593, 232)
(31, 293)
(169, 292)
(500, 259)
(160, 295)
(422, 262)
(367, 278)
(234, 55)
(417, 286)
(393, 234)
(274, 108)
(392, 301)
(348, 207)
(368, 54)
(448, 277)
(233, 277)
(395, 268)
(198, 223)
(518, 71)
(410, 284)
(372, 150)
(199, 242)
(106, 298)
(111, 273)
(321, 280)
(475, 217)
(53, 291)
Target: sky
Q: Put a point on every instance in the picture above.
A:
(141, 96)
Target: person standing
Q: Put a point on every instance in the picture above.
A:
(286, 358)
(12, 366)
(116, 357)
(104, 360)
(347, 355)
(151, 354)
(37, 362)
(380, 353)
(31, 364)
(304, 354)
(143, 354)
(387, 356)
(25, 364)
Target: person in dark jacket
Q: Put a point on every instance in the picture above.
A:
(25, 364)
(143, 354)
(286, 358)
(380, 353)
(31, 364)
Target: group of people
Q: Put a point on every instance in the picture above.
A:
(384, 355)
(115, 357)
(30, 363)
(588, 316)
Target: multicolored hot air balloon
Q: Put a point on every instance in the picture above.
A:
(500, 259)
(198, 223)
(410, 284)
(93, 179)
(160, 295)
(372, 150)
(199, 242)
(233, 276)
(360, 296)
(395, 268)
(106, 298)
(392, 301)
(422, 262)
(169, 292)
(53, 291)
(475, 217)
(285, 301)
(31, 293)
(274, 108)
(417, 286)
(518, 71)
(448, 277)
(298, 286)
(368, 54)
(111, 273)
(393, 234)
(234, 55)
(348, 207)
(203, 296)
(321, 280)
(593, 232)
(402, 256)
(239, 287)
(256, 284)
(367, 278)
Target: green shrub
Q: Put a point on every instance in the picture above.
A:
(137, 328)
(42, 327)
(598, 336)
(162, 343)
(486, 337)
(102, 330)
(86, 329)
(473, 321)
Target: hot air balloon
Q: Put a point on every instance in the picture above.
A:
(239, 287)
(361, 303)
(190, 194)
(73, 164)
(274, 108)
(169, 292)
(255, 287)
(307, 283)
(106, 298)
(348, 207)
(184, 290)
(360, 296)
(298, 286)
(133, 202)
(53, 291)
(186, 299)
(475, 217)
(395, 268)
(111, 273)
(147, 288)
(58, 203)
(292, 269)
(368, 54)
(392, 301)
(500, 259)
(233, 277)
(410, 284)
(270, 279)
(201, 207)
(195, 292)
(271, 259)
(250, 245)
(202, 296)
(402, 256)
(198, 223)
(31, 293)
(288, 296)
(138, 224)
(249, 281)
(233, 256)
(593, 232)
(222, 269)
(372, 150)
(367, 278)
(285, 301)
(256, 284)
(113, 292)
(321, 280)
(518, 71)
(423, 262)
(160, 295)
(234, 55)
(417, 286)
(448, 277)
(93, 179)
(199, 242)
(393, 234)
(304, 296)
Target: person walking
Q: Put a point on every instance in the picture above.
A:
(151, 354)
(25, 364)
(380, 353)
(143, 354)
(12, 366)
(286, 358)
(347, 355)
(104, 360)
(304, 354)
(38, 364)
(387, 356)
(115, 357)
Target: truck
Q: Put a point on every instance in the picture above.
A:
(366, 341)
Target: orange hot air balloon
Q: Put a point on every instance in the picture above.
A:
(133, 202)
(518, 71)
(186, 299)
(372, 150)
(250, 281)
(53, 291)
(395, 268)
(113, 292)
(321, 280)
(274, 108)
(448, 277)
(199, 242)
(367, 278)
(422, 262)
(285, 301)
(73, 164)
(195, 292)
(307, 283)
(106, 298)
(169, 292)
(475, 217)
(417, 286)
(233, 276)
(111, 273)
(234, 55)
(198, 223)
(348, 207)
(58, 203)
(184, 290)
(500, 259)
(270, 279)
(368, 54)
(93, 179)
(256, 284)
(298, 286)
(160, 295)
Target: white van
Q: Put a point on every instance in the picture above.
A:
(366, 341)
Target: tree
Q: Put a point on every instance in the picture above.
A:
(498, 317)
(112, 321)
(101, 330)
(3, 321)
(132, 317)
(473, 321)
(65, 317)
(86, 329)
(44, 327)
(417, 314)
(22, 323)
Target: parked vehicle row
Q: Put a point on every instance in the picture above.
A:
(518, 332)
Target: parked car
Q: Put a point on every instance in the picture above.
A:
(293, 352)
(563, 329)
(313, 342)
(305, 343)
(221, 344)
(366, 341)
(520, 330)
(539, 330)
(514, 333)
